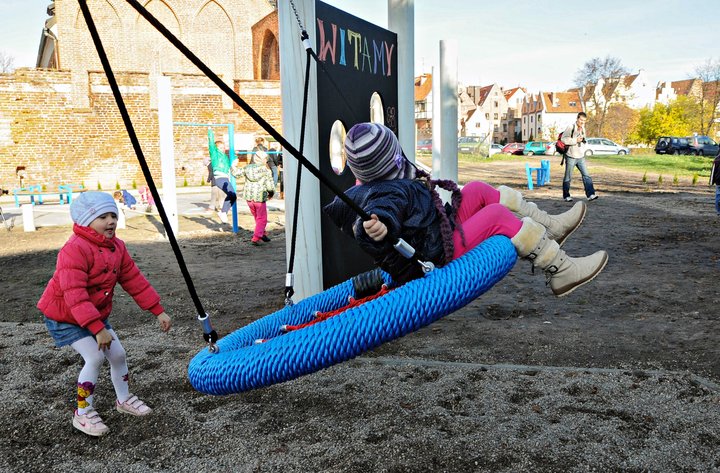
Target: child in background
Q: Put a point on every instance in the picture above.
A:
(146, 198)
(221, 166)
(405, 207)
(258, 189)
(78, 300)
(125, 199)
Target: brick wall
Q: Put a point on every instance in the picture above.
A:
(64, 126)
(265, 48)
(43, 129)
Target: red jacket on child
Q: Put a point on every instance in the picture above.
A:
(88, 267)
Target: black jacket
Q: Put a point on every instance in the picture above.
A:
(405, 206)
(715, 173)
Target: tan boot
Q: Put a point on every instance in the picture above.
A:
(559, 227)
(564, 273)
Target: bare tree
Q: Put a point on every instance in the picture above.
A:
(6, 62)
(599, 80)
(709, 74)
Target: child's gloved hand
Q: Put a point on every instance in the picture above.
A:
(165, 322)
(375, 228)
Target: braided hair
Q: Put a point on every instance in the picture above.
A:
(446, 228)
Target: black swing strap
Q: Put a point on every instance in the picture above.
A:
(209, 334)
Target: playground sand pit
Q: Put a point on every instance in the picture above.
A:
(622, 375)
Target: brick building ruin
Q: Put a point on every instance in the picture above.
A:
(59, 121)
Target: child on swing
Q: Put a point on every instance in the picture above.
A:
(78, 299)
(403, 203)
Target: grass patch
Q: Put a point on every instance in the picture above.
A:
(682, 166)
(649, 162)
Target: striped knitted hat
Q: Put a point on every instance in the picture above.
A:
(374, 154)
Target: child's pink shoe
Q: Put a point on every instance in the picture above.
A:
(90, 423)
(133, 406)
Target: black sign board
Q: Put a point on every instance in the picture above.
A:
(359, 59)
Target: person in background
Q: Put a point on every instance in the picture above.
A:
(221, 165)
(261, 151)
(216, 195)
(257, 190)
(574, 137)
(78, 301)
(715, 179)
(125, 199)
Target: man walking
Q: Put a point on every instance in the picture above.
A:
(574, 138)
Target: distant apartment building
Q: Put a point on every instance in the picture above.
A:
(546, 114)
(492, 108)
(423, 106)
(512, 125)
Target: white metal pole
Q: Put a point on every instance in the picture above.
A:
(308, 250)
(436, 117)
(401, 20)
(167, 151)
(447, 106)
(28, 218)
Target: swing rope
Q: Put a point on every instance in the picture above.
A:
(290, 277)
(209, 334)
(305, 38)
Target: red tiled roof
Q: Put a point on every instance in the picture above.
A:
(423, 86)
(564, 102)
(630, 79)
(510, 92)
(483, 93)
(683, 87)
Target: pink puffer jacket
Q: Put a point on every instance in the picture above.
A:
(88, 267)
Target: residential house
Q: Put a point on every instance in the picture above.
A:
(636, 91)
(666, 92)
(492, 107)
(512, 125)
(423, 106)
(633, 90)
(546, 114)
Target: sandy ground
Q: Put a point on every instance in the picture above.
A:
(622, 375)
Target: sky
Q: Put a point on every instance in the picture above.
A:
(537, 44)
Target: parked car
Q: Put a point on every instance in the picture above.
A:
(604, 146)
(495, 149)
(424, 146)
(672, 145)
(536, 147)
(702, 145)
(469, 144)
(513, 148)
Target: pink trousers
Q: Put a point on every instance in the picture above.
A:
(482, 216)
(259, 213)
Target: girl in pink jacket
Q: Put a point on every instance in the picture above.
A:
(78, 299)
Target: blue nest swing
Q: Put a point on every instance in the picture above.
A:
(242, 364)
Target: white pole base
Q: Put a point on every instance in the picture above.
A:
(28, 218)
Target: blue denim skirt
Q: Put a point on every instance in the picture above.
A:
(67, 334)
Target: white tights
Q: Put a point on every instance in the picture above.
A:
(94, 358)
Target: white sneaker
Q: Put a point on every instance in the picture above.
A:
(223, 216)
(133, 406)
(568, 199)
(593, 197)
(90, 423)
